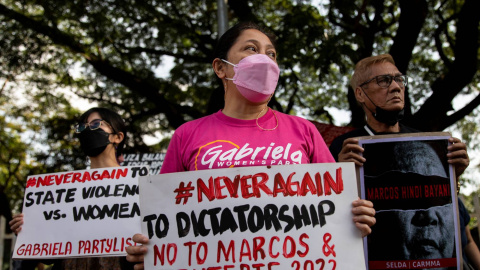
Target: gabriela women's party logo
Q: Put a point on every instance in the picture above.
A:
(226, 154)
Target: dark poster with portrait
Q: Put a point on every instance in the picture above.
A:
(413, 190)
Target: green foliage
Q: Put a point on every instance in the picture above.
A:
(468, 201)
(15, 163)
(67, 56)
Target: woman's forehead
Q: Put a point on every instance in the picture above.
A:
(254, 35)
(93, 116)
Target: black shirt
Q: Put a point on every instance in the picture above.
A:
(336, 146)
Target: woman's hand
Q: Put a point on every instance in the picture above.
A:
(136, 254)
(364, 216)
(16, 223)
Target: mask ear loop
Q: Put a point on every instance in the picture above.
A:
(224, 82)
(225, 91)
(276, 119)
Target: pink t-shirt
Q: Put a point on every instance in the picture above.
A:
(218, 141)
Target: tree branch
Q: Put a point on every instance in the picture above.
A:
(412, 18)
(242, 10)
(432, 114)
(188, 58)
(57, 36)
(139, 85)
(460, 114)
(438, 42)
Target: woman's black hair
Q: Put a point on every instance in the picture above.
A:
(227, 40)
(112, 118)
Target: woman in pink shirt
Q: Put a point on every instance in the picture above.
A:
(246, 132)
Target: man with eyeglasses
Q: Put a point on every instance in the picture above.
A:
(380, 89)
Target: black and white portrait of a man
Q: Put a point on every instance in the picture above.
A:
(409, 185)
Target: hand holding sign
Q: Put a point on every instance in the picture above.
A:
(136, 254)
(245, 218)
(364, 216)
(16, 223)
(99, 205)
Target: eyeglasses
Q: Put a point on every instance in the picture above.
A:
(385, 81)
(94, 124)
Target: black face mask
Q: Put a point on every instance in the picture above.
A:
(93, 142)
(390, 118)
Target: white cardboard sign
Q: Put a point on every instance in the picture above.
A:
(265, 217)
(80, 213)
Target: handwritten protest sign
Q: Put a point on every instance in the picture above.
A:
(412, 187)
(80, 213)
(153, 160)
(275, 217)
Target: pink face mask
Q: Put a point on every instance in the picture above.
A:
(256, 77)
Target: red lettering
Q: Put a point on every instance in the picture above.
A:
(58, 179)
(21, 250)
(318, 181)
(226, 253)
(279, 185)
(81, 245)
(76, 177)
(291, 253)
(270, 264)
(36, 249)
(171, 246)
(158, 255)
(109, 245)
(329, 183)
(44, 249)
(49, 180)
(121, 173)
(233, 187)
(245, 250)
(209, 191)
(129, 241)
(55, 249)
(256, 186)
(42, 181)
(68, 248)
(270, 249)
(258, 265)
(95, 176)
(115, 244)
(31, 182)
(258, 243)
(245, 186)
(87, 177)
(95, 246)
(189, 245)
(67, 175)
(303, 244)
(290, 184)
(106, 175)
(307, 185)
(203, 246)
(219, 187)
